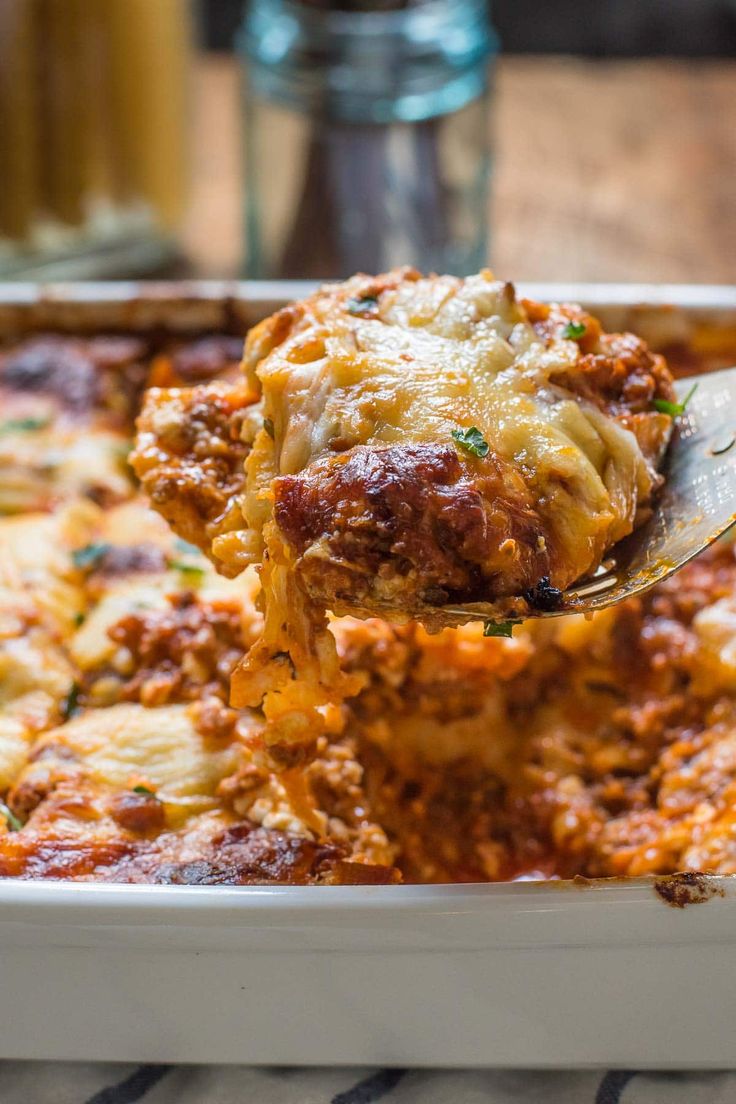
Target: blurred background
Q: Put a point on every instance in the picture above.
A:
(552, 139)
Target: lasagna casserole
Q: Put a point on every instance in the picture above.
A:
(600, 747)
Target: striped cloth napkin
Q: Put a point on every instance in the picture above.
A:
(89, 1083)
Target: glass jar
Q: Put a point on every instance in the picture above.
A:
(93, 110)
(367, 137)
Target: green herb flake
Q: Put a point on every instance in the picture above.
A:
(79, 619)
(472, 440)
(268, 426)
(23, 425)
(144, 790)
(193, 572)
(574, 330)
(664, 406)
(362, 305)
(499, 628)
(11, 819)
(88, 557)
(70, 706)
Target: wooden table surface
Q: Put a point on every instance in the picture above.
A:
(605, 170)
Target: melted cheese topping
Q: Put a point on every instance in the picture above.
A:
(42, 467)
(116, 595)
(123, 744)
(36, 560)
(435, 355)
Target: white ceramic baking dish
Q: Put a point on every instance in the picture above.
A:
(634, 972)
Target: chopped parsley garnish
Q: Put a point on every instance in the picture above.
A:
(674, 409)
(71, 702)
(362, 305)
(193, 572)
(499, 628)
(79, 619)
(574, 330)
(23, 425)
(13, 823)
(472, 440)
(268, 426)
(144, 790)
(89, 556)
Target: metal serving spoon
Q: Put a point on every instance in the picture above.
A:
(696, 506)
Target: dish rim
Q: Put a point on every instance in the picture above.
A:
(28, 293)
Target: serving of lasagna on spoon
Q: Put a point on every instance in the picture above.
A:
(408, 442)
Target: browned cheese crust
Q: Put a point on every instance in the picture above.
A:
(79, 835)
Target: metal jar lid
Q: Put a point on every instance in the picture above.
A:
(369, 67)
